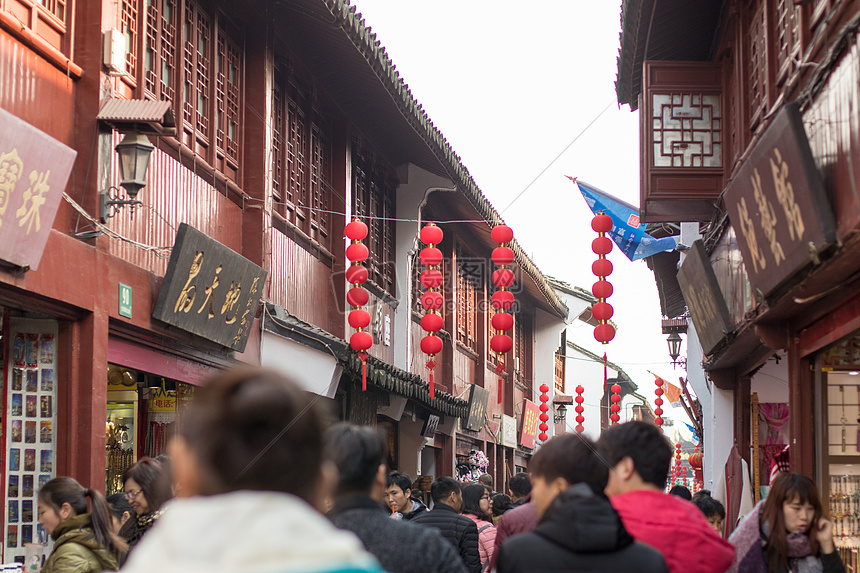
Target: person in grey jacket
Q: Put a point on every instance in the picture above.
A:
(359, 454)
(445, 516)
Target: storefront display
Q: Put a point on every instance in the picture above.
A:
(30, 423)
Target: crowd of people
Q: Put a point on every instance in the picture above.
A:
(254, 482)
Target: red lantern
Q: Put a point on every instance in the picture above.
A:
(579, 409)
(503, 299)
(658, 412)
(602, 268)
(356, 297)
(432, 300)
(695, 460)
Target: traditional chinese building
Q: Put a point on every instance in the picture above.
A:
(262, 128)
(747, 123)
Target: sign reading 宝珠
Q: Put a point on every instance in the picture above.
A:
(529, 427)
(34, 169)
(778, 206)
(209, 290)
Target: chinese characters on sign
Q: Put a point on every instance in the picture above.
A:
(778, 205)
(34, 169)
(477, 407)
(529, 427)
(209, 290)
(704, 298)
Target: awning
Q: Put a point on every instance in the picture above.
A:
(298, 333)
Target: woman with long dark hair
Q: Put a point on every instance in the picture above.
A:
(478, 506)
(84, 542)
(147, 488)
(786, 532)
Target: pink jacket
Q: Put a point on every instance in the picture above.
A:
(486, 538)
(676, 528)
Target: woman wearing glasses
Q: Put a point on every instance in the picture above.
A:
(478, 506)
(84, 542)
(147, 487)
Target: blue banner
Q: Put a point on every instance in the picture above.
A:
(627, 231)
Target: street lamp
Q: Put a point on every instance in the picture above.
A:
(133, 151)
(674, 341)
(560, 413)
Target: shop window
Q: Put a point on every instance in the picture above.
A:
(470, 281)
(302, 158)
(374, 186)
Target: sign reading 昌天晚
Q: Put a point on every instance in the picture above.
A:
(34, 169)
(778, 206)
(529, 427)
(209, 290)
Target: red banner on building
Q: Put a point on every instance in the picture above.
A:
(34, 169)
(529, 426)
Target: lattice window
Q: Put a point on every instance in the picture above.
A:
(278, 148)
(296, 163)
(227, 89)
(320, 179)
(55, 7)
(470, 276)
(559, 372)
(787, 41)
(374, 187)
(757, 64)
(130, 27)
(196, 70)
(687, 130)
(521, 349)
(159, 57)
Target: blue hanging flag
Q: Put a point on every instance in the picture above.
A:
(693, 430)
(627, 232)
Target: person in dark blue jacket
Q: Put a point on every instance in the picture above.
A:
(445, 516)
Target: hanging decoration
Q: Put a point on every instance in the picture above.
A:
(615, 407)
(432, 300)
(658, 411)
(544, 416)
(579, 408)
(602, 268)
(357, 297)
(503, 299)
(696, 459)
(677, 462)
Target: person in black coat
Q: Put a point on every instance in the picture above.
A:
(359, 453)
(445, 516)
(578, 528)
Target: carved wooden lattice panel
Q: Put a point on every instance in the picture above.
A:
(757, 64)
(130, 31)
(159, 58)
(687, 130)
(787, 42)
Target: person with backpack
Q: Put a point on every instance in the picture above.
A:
(478, 506)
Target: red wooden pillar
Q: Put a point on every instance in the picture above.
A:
(801, 411)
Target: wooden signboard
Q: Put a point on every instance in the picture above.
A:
(778, 206)
(529, 427)
(34, 170)
(209, 290)
(478, 398)
(704, 298)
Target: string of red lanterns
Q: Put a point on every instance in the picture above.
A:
(615, 407)
(602, 268)
(579, 408)
(357, 297)
(503, 299)
(432, 300)
(677, 463)
(544, 416)
(658, 411)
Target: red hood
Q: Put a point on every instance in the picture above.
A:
(677, 529)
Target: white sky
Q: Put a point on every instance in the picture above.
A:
(510, 85)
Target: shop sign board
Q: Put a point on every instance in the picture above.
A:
(529, 426)
(431, 424)
(34, 170)
(124, 300)
(704, 298)
(209, 290)
(508, 434)
(478, 398)
(778, 206)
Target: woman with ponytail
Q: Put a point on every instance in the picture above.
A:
(83, 542)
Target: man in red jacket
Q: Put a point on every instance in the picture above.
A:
(639, 456)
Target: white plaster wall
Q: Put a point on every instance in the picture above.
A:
(771, 382)
(547, 335)
(415, 185)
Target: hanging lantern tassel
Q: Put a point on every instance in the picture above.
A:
(503, 299)
(432, 300)
(579, 408)
(357, 297)
(602, 311)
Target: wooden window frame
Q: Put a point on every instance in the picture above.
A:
(52, 24)
(374, 185)
(469, 285)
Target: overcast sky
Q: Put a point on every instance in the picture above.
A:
(511, 85)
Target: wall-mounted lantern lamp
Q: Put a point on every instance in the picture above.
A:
(133, 151)
(673, 327)
(560, 413)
